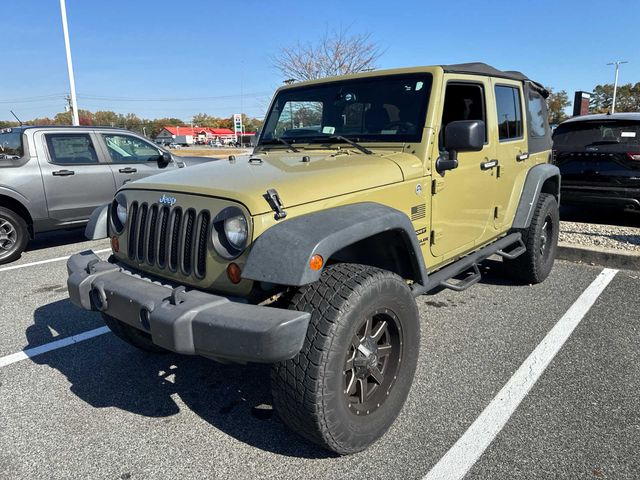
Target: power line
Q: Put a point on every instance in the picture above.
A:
(169, 99)
(33, 99)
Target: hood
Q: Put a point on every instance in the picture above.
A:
(297, 182)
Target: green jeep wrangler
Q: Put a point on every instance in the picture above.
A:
(364, 192)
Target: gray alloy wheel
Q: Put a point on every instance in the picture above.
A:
(13, 235)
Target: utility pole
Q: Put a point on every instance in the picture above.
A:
(617, 63)
(72, 83)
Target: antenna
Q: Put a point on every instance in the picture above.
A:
(19, 121)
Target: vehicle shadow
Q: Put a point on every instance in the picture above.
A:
(600, 215)
(494, 272)
(106, 372)
(56, 239)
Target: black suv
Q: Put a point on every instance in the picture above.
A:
(599, 158)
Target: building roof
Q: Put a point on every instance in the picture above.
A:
(184, 130)
(603, 117)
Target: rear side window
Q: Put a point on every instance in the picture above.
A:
(509, 112)
(71, 148)
(11, 145)
(537, 114)
(128, 149)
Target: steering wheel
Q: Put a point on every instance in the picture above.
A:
(402, 127)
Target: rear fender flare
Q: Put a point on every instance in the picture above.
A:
(543, 178)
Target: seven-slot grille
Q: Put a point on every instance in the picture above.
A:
(169, 237)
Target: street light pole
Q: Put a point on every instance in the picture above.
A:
(72, 83)
(617, 63)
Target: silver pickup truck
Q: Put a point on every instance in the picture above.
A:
(53, 177)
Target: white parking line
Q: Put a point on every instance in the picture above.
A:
(57, 259)
(457, 462)
(47, 347)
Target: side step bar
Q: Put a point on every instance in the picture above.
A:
(442, 278)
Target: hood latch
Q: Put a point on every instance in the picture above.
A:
(275, 203)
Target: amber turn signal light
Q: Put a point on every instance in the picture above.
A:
(115, 244)
(234, 273)
(316, 262)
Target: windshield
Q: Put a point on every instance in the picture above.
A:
(584, 134)
(376, 109)
(11, 144)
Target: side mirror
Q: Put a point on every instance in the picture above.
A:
(461, 136)
(164, 159)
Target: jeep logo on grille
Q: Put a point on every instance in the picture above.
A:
(166, 200)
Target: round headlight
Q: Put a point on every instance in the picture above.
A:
(121, 213)
(237, 231)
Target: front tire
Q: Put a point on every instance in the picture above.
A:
(348, 384)
(541, 242)
(133, 336)
(14, 235)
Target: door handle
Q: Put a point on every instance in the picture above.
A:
(128, 170)
(63, 173)
(522, 157)
(489, 165)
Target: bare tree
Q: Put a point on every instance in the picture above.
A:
(336, 53)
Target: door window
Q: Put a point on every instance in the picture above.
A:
(509, 112)
(463, 101)
(71, 149)
(128, 149)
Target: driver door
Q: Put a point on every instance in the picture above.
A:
(131, 157)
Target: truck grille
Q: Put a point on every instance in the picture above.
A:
(169, 238)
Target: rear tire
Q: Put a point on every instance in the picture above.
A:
(348, 384)
(14, 235)
(541, 241)
(132, 336)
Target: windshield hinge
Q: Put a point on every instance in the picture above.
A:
(275, 203)
(437, 185)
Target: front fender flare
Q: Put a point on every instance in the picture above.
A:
(98, 226)
(281, 254)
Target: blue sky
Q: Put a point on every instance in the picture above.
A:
(154, 57)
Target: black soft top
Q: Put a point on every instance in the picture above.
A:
(479, 68)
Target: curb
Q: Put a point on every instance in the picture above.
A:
(604, 257)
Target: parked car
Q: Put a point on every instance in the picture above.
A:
(309, 254)
(53, 177)
(599, 158)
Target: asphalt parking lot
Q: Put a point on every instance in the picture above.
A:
(101, 409)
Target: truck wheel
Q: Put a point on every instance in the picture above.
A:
(132, 336)
(14, 235)
(541, 241)
(349, 382)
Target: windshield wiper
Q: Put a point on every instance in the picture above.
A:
(350, 142)
(280, 140)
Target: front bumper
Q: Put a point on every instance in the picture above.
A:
(188, 322)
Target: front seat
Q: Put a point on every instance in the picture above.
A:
(376, 118)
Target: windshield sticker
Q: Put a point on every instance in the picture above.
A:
(329, 130)
(628, 134)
